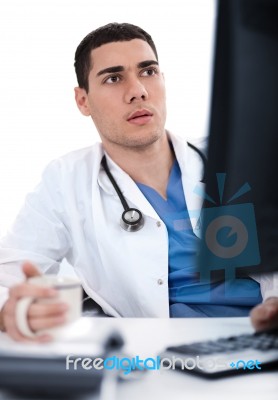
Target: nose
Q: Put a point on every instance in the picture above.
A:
(135, 91)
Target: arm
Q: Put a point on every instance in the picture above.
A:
(38, 234)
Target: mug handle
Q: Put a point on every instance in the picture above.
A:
(21, 312)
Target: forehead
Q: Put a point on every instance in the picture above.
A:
(121, 53)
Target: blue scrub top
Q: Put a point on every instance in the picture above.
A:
(188, 297)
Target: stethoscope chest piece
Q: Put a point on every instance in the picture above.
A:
(132, 220)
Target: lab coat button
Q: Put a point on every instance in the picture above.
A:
(158, 224)
(160, 281)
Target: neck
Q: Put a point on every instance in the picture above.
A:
(150, 166)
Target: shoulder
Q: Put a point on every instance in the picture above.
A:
(85, 155)
(77, 161)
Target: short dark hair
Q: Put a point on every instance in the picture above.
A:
(113, 32)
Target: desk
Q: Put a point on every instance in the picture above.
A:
(148, 337)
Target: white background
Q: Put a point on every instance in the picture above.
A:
(39, 119)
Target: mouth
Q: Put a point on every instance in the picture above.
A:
(140, 117)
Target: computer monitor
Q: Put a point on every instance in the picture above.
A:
(242, 169)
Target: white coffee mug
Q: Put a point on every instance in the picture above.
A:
(69, 292)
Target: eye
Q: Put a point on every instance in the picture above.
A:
(149, 71)
(112, 79)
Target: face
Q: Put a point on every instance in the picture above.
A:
(126, 97)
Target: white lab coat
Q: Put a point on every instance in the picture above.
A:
(75, 212)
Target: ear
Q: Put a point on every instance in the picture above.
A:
(81, 99)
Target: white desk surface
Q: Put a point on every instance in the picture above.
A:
(148, 337)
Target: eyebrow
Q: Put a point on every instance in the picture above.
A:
(120, 68)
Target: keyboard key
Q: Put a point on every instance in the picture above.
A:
(259, 341)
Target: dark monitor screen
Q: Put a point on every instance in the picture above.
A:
(243, 140)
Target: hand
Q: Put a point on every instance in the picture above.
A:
(265, 315)
(40, 315)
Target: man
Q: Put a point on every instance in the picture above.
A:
(76, 211)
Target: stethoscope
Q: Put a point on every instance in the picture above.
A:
(132, 219)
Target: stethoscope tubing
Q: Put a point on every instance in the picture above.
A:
(133, 225)
(114, 183)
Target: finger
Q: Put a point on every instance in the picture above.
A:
(14, 333)
(44, 338)
(30, 270)
(257, 313)
(265, 316)
(47, 310)
(9, 308)
(272, 304)
(265, 311)
(26, 289)
(271, 311)
(265, 325)
(12, 329)
(37, 324)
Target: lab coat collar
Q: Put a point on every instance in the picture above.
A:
(191, 168)
(128, 187)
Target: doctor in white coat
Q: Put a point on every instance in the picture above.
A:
(75, 212)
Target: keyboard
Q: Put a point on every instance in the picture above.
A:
(247, 353)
